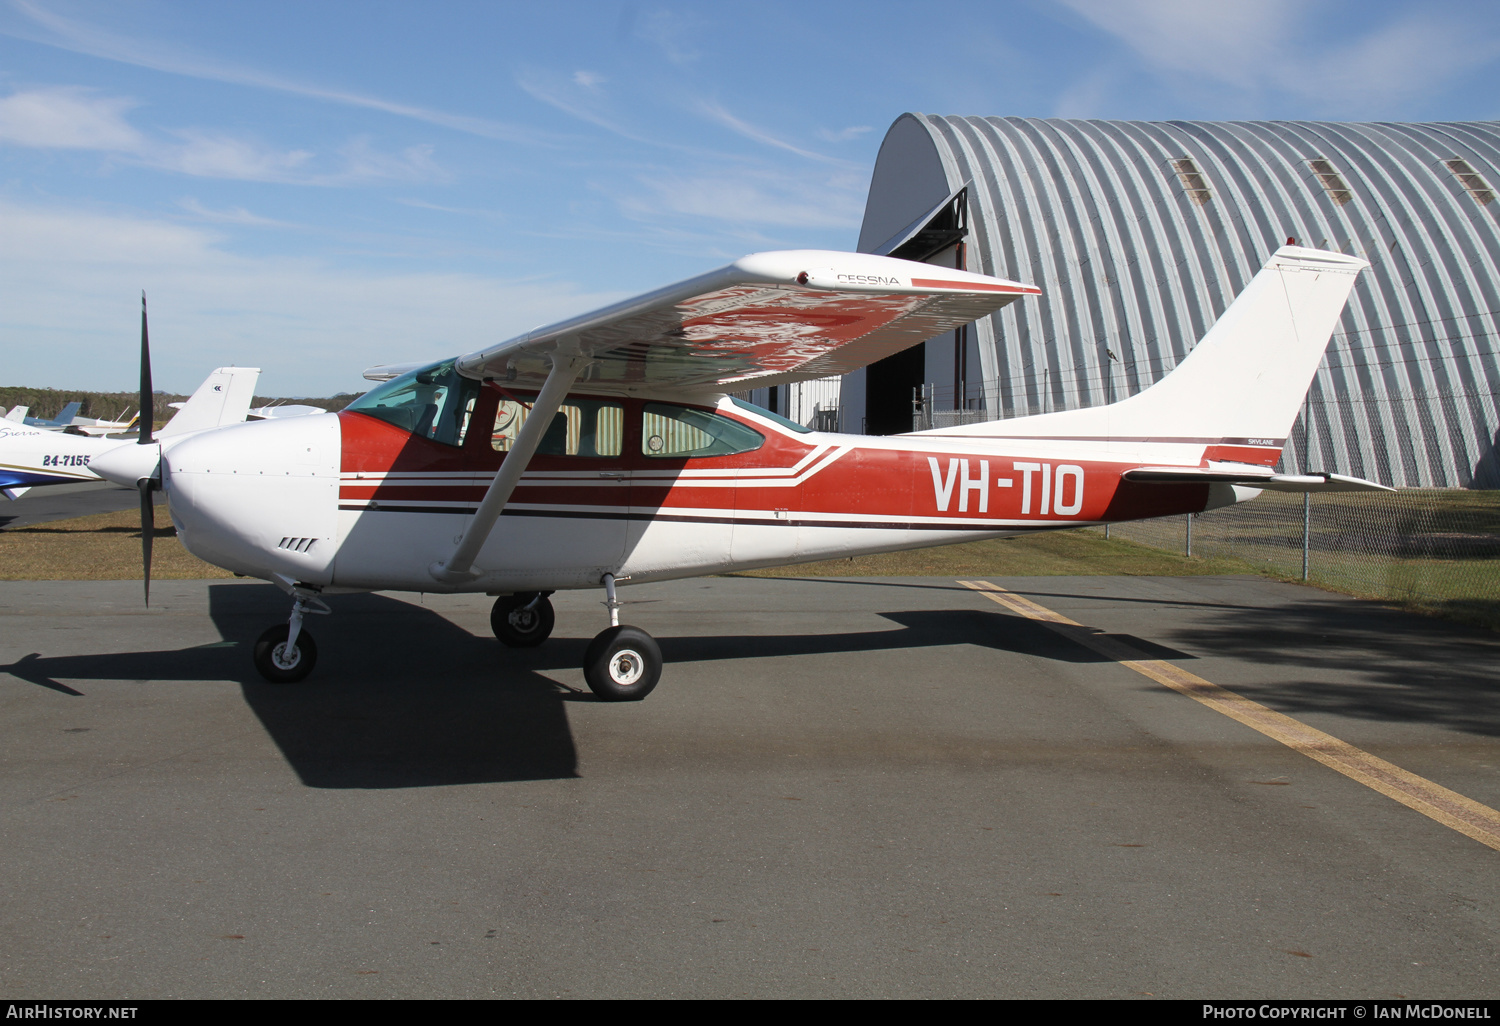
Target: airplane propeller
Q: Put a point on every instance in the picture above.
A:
(152, 481)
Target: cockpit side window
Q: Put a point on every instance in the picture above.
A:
(435, 402)
(580, 427)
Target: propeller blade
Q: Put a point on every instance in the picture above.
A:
(148, 531)
(146, 484)
(148, 401)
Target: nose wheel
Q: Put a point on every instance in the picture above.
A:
(522, 621)
(281, 663)
(286, 653)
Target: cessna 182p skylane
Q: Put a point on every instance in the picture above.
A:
(604, 449)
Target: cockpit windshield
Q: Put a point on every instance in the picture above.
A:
(434, 402)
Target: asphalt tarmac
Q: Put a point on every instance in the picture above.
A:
(64, 502)
(841, 788)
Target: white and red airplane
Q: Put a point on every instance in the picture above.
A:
(605, 449)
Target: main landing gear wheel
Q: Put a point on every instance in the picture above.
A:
(622, 664)
(522, 621)
(278, 665)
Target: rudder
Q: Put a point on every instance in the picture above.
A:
(1244, 381)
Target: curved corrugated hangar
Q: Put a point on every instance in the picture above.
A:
(1140, 234)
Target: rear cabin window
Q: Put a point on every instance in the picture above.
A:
(434, 402)
(581, 427)
(683, 432)
(761, 411)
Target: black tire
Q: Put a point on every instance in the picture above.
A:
(622, 664)
(274, 638)
(519, 627)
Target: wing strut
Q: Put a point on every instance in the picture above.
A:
(565, 370)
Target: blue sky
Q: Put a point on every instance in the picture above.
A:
(316, 187)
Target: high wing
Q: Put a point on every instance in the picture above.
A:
(766, 319)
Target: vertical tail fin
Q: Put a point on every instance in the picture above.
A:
(223, 398)
(1245, 379)
(65, 418)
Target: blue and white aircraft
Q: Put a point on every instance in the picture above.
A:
(33, 456)
(57, 423)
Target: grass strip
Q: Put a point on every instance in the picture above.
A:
(102, 547)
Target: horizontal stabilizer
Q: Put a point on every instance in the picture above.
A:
(1319, 482)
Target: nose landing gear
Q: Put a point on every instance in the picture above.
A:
(281, 663)
(286, 653)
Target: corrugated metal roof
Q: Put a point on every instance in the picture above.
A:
(1142, 232)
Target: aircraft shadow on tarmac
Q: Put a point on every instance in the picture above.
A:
(1406, 667)
(921, 628)
(1362, 660)
(402, 697)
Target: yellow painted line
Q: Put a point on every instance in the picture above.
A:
(1449, 808)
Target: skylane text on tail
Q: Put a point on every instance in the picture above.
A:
(605, 449)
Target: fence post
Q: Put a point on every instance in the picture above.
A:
(1306, 530)
(1306, 469)
(1189, 546)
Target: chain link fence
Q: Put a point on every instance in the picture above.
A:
(1427, 440)
(1433, 549)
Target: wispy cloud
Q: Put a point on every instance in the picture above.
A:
(843, 134)
(715, 111)
(79, 37)
(233, 215)
(1411, 57)
(1231, 42)
(220, 155)
(1088, 96)
(670, 32)
(489, 215)
(750, 197)
(214, 155)
(74, 275)
(583, 103)
(364, 163)
(1271, 45)
(68, 117)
